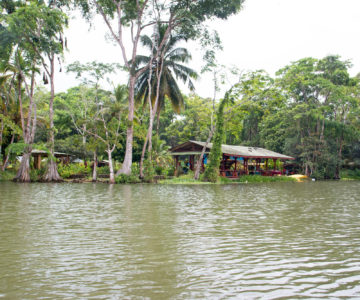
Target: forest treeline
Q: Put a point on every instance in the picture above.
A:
(308, 110)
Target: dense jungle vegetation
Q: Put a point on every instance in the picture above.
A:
(309, 110)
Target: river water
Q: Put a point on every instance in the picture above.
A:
(250, 241)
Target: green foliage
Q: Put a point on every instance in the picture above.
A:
(183, 179)
(170, 171)
(171, 65)
(16, 148)
(348, 174)
(259, 178)
(149, 171)
(123, 178)
(159, 170)
(192, 124)
(212, 169)
(103, 170)
(7, 175)
(37, 174)
(66, 171)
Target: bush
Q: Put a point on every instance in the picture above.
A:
(37, 174)
(7, 175)
(159, 170)
(135, 169)
(350, 174)
(103, 170)
(66, 171)
(170, 171)
(149, 171)
(123, 178)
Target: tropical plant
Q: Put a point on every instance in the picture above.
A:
(173, 67)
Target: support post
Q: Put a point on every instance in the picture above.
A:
(191, 162)
(274, 160)
(176, 165)
(246, 169)
(37, 161)
(258, 160)
(222, 166)
(235, 169)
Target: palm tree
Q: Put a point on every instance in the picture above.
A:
(173, 61)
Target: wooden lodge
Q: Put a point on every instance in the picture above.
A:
(236, 160)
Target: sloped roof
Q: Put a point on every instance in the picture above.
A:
(44, 153)
(239, 151)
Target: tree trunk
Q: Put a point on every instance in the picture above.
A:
(158, 122)
(52, 173)
(28, 130)
(84, 136)
(198, 164)
(141, 166)
(1, 135)
(126, 166)
(23, 174)
(8, 155)
(339, 159)
(111, 168)
(94, 175)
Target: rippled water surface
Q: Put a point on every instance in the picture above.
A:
(95, 241)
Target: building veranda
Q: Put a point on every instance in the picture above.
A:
(236, 160)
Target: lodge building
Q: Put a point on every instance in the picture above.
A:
(236, 160)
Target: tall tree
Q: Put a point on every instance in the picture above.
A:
(185, 15)
(173, 68)
(37, 29)
(158, 81)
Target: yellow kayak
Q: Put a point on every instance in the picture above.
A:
(298, 177)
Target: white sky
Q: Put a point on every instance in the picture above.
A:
(266, 34)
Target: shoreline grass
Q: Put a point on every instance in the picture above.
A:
(188, 179)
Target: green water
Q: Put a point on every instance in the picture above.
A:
(250, 241)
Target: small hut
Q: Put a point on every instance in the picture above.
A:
(236, 160)
(40, 154)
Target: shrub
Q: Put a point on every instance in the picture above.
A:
(103, 170)
(7, 175)
(350, 174)
(159, 170)
(37, 174)
(170, 171)
(66, 171)
(135, 169)
(149, 171)
(123, 178)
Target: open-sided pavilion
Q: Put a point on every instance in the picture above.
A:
(40, 154)
(236, 160)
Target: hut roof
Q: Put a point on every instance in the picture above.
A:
(194, 147)
(44, 153)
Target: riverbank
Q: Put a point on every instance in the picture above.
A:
(189, 179)
(8, 175)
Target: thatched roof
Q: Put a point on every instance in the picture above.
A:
(195, 147)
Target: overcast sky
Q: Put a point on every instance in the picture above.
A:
(266, 34)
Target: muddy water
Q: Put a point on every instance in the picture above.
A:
(251, 241)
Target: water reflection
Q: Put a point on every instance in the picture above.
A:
(173, 242)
